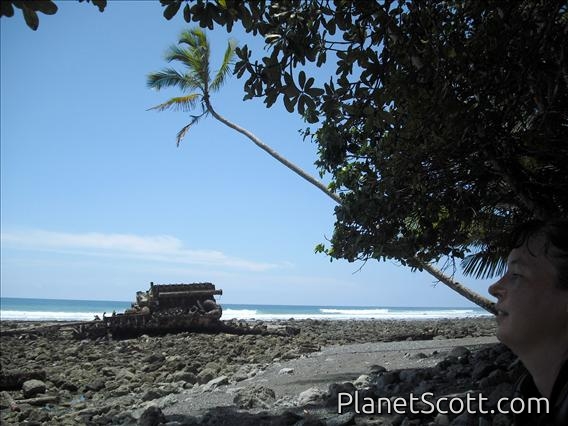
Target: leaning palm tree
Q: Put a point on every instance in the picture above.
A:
(193, 52)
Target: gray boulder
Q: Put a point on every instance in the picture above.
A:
(31, 388)
(309, 396)
(152, 416)
(254, 397)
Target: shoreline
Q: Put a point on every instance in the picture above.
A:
(193, 378)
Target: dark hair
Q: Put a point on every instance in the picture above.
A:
(555, 233)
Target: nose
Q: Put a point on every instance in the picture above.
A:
(497, 289)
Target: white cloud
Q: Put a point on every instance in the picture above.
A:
(160, 248)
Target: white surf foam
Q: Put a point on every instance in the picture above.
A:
(47, 316)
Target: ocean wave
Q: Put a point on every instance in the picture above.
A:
(239, 313)
(354, 312)
(47, 316)
(264, 314)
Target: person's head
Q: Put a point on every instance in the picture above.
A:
(532, 296)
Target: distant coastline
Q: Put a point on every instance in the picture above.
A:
(23, 309)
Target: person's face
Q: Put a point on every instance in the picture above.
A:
(532, 309)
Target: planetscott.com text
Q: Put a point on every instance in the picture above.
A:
(427, 403)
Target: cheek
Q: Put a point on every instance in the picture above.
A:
(552, 308)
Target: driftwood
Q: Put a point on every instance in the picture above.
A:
(39, 329)
(40, 400)
(13, 380)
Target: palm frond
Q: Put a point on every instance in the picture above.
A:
(198, 59)
(188, 57)
(484, 264)
(180, 103)
(194, 120)
(168, 77)
(225, 66)
(195, 38)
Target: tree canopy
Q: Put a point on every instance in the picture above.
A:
(30, 9)
(442, 126)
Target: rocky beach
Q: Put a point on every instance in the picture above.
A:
(226, 379)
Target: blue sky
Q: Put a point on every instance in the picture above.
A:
(97, 200)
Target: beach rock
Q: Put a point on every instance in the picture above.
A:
(426, 386)
(214, 366)
(241, 374)
(95, 385)
(376, 369)
(206, 375)
(341, 420)
(212, 384)
(419, 355)
(503, 390)
(464, 419)
(286, 371)
(71, 387)
(311, 419)
(309, 396)
(167, 401)
(460, 352)
(501, 420)
(442, 419)
(120, 391)
(412, 376)
(154, 358)
(386, 378)
(362, 381)
(151, 394)
(289, 418)
(336, 388)
(254, 397)
(494, 378)
(152, 416)
(35, 417)
(481, 370)
(409, 422)
(31, 388)
(184, 376)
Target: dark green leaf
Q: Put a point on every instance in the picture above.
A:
(30, 17)
(6, 9)
(101, 4)
(290, 103)
(302, 105)
(187, 13)
(309, 83)
(44, 6)
(315, 92)
(271, 98)
(302, 79)
(171, 10)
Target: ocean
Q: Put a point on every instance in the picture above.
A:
(84, 310)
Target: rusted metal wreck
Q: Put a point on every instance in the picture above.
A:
(164, 308)
(168, 308)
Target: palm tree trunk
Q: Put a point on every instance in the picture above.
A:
(470, 295)
(274, 154)
(474, 297)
